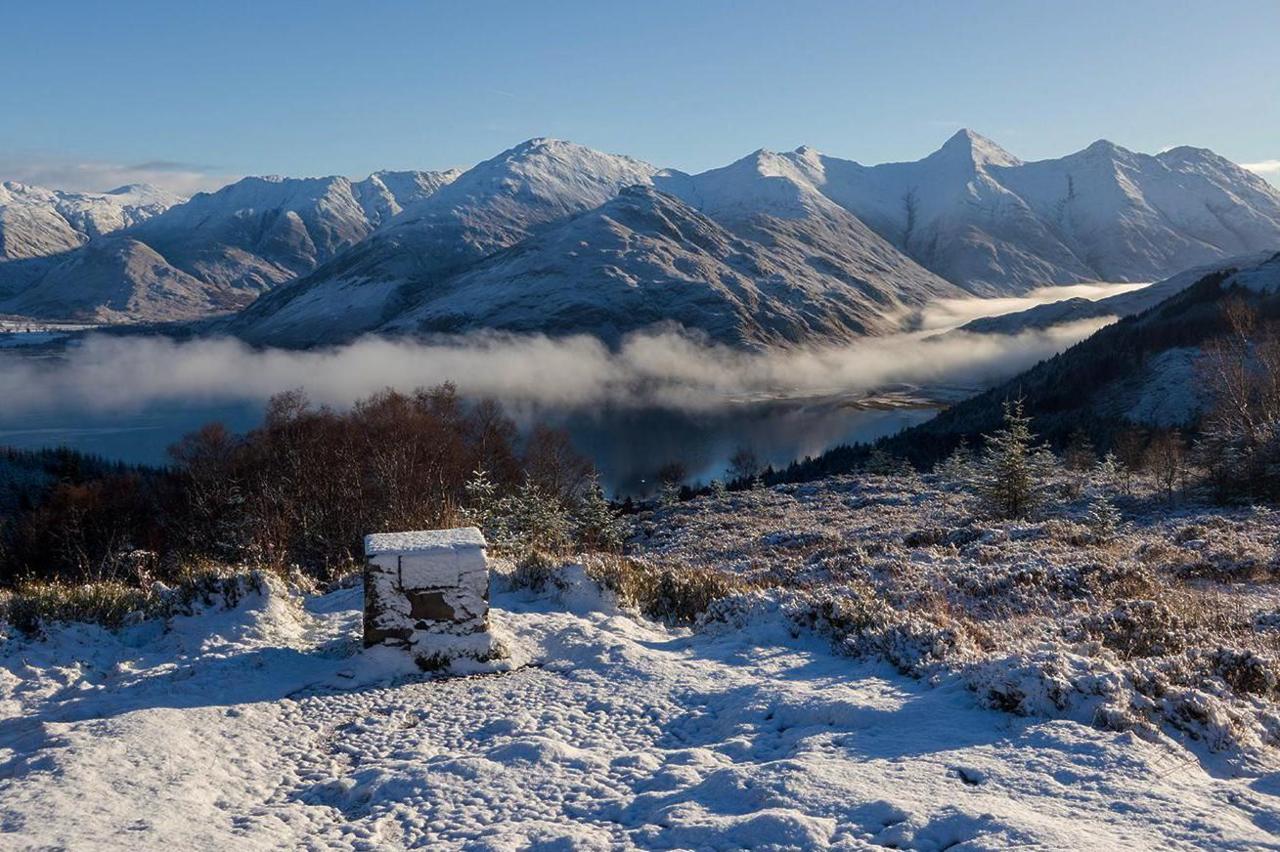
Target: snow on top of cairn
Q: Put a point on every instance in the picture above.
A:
(420, 540)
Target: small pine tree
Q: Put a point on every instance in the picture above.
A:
(1103, 517)
(538, 520)
(1108, 473)
(597, 526)
(1010, 479)
(718, 489)
(669, 495)
(906, 474)
(481, 503)
(957, 468)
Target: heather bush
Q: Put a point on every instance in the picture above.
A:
(34, 605)
(1121, 624)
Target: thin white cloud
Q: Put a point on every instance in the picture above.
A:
(945, 314)
(55, 172)
(665, 370)
(1265, 167)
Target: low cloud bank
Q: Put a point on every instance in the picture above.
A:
(952, 313)
(108, 373)
(56, 172)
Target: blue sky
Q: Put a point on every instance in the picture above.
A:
(187, 93)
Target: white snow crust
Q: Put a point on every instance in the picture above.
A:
(262, 727)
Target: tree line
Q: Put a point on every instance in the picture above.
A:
(303, 489)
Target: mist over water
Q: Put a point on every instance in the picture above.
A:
(656, 398)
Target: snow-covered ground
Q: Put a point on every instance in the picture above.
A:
(262, 726)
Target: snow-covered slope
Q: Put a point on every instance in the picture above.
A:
(261, 231)
(37, 222)
(385, 194)
(490, 207)
(755, 255)
(1138, 370)
(645, 258)
(1119, 305)
(978, 216)
(213, 253)
(262, 727)
(118, 279)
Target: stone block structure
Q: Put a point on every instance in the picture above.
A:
(428, 593)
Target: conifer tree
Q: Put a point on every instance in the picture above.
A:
(957, 468)
(1010, 480)
(596, 524)
(1103, 517)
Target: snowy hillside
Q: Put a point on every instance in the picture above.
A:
(978, 216)
(1119, 305)
(262, 726)
(37, 222)
(354, 256)
(119, 279)
(1141, 369)
(214, 253)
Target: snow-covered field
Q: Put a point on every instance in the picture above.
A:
(263, 726)
(245, 729)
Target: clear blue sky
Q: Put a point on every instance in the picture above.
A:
(319, 87)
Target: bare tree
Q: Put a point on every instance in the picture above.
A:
(1240, 447)
(1166, 460)
(744, 464)
(911, 207)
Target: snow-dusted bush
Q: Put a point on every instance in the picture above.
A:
(673, 593)
(1137, 628)
(33, 605)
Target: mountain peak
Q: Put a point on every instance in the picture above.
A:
(808, 154)
(1106, 148)
(976, 148)
(1191, 154)
(540, 143)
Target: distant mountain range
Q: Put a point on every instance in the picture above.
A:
(774, 249)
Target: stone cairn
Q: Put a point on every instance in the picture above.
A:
(427, 592)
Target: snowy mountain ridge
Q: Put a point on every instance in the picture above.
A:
(35, 222)
(982, 218)
(553, 237)
(646, 259)
(211, 254)
(330, 258)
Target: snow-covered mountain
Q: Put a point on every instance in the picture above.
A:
(982, 218)
(556, 238)
(488, 208)
(329, 258)
(214, 253)
(646, 259)
(36, 222)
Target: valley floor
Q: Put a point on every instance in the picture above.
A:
(261, 727)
